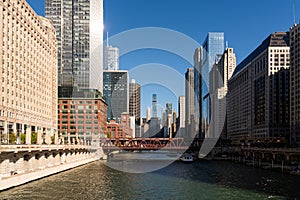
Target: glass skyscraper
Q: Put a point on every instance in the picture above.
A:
(79, 31)
(111, 58)
(205, 57)
(213, 47)
(116, 93)
(154, 105)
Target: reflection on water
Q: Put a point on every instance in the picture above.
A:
(199, 180)
(142, 162)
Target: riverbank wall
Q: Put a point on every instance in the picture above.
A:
(277, 159)
(18, 168)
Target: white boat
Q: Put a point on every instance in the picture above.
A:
(187, 158)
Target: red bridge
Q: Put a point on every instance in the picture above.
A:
(132, 144)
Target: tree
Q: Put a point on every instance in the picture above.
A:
(108, 135)
(12, 138)
(52, 139)
(33, 138)
(23, 138)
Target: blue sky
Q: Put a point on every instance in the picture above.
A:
(245, 23)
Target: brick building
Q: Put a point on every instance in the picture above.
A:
(81, 113)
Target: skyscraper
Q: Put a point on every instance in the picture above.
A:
(295, 84)
(169, 108)
(148, 114)
(258, 94)
(111, 58)
(79, 31)
(181, 111)
(189, 102)
(204, 58)
(218, 78)
(196, 110)
(213, 47)
(135, 100)
(116, 93)
(154, 105)
(29, 74)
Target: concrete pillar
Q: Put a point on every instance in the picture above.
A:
(69, 139)
(5, 133)
(22, 132)
(28, 134)
(40, 136)
(23, 128)
(77, 139)
(84, 138)
(48, 136)
(14, 127)
(55, 137)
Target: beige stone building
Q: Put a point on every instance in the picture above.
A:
(258, 94)
(28, 63)
(219, 76)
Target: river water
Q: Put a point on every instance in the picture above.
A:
(187, 181)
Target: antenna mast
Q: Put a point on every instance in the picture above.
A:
(294, 13)
(106, 39)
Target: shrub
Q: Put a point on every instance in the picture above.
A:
(23, 138)
(33, 138)
(12, 138)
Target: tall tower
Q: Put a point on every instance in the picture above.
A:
(148, 114)
(79, 31)
(169, 108)
(189, 102)
(218, 78)
(135, 100)
(111, 58)
(194, 80)
(116, 93)
(213, 48)
(181, 111)
(154, 105)
(295, 84)
(174, 121)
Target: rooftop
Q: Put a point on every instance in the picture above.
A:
(277, 39)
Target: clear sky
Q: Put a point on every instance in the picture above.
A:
(245, 24)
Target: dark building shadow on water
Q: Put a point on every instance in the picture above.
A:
(233, 175)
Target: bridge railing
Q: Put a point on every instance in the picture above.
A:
(16, 148)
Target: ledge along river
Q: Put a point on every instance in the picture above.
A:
(198, 180)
